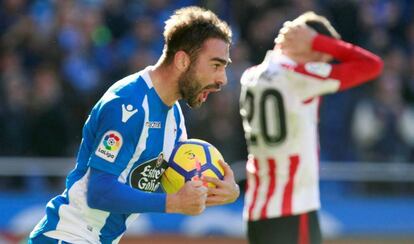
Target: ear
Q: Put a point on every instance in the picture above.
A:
(181, 61)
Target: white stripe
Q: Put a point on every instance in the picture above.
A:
(251, 181)
(141, 145)
(76, 217)
(169, 140)
(145, 75)
(263, 186)
(283, 179)
(182, 124)
(248, 198)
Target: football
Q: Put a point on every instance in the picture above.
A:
(190, 160)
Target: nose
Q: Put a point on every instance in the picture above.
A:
(222, 78)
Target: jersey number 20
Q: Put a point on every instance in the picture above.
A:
(269, 97)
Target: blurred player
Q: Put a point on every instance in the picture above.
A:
(279, 104)
(130, 134)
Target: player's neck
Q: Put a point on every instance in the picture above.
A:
(165, 81)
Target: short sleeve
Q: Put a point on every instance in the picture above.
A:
(118, 128)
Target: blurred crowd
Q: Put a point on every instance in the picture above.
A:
(58, 57)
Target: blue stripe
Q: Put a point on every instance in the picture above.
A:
(113, 228)
(178, 122)
(155, 140)
(42, 239)
(115, 223)
(52, 213)
(157, 112)
(142, 88)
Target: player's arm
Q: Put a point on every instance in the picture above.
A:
(226, 190)
(105, 191)
(356, 66)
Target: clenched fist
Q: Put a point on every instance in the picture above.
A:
(190, 199)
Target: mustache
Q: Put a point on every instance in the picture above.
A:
(212, 86)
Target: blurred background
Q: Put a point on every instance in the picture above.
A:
(57, 57)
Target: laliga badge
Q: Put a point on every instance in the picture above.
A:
(109, 146)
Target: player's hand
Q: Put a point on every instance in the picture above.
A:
(295, 39)
(226, 190)
(190, 199)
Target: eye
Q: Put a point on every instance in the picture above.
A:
(216, 66)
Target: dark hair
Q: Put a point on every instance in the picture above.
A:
(188, 28)
(319, 23)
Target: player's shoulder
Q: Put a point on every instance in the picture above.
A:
(132, 86)
(118, 109)
(248, 75)
(122, 101)
(273, 64)
(113, 101)
(130, 90)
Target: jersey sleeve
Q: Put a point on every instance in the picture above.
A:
(356, 65)
(106, 193)
(118, 126)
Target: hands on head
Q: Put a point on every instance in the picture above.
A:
(295, 39)
(194, 196)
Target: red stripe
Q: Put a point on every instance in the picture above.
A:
(256, 187)
(287, 194)
(303, 229)
(271, 188)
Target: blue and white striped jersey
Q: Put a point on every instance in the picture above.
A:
(130, 133)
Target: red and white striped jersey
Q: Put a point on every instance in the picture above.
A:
(279, 106)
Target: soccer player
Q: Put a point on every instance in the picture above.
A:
(279, 104)
(130, 133)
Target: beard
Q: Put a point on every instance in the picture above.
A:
(190, 87)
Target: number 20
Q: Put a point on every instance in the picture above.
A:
(279, 116)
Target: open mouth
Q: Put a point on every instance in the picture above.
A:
(207, 90)
(204, 96)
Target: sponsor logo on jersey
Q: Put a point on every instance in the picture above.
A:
(147, 176)
(318, 68)
(153, 124)
(109, 146)
(127, 112)
(160, 159)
